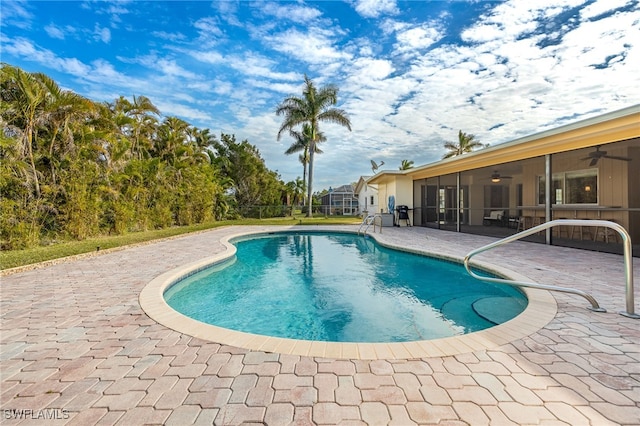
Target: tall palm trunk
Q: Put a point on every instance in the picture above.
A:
(32, 162)
(312, 146)
(304, 175)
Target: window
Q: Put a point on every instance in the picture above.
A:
(577, 187)
(582, 187)
(556, 189)
(372, 203)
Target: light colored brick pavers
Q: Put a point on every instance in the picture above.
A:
(74, 338)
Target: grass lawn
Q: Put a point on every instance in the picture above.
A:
(15, 258)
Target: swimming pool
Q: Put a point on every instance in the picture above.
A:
(339, 287)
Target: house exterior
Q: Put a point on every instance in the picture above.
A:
(586, 170)
(367, 196)
(340, 201)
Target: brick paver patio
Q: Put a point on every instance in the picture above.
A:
(76, 348)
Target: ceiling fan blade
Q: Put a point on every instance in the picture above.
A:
(614, 157)
(594, 161)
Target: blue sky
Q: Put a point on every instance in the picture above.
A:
(410, 73)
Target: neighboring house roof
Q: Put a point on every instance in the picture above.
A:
(361, 183)
(612, 127)
(344, 189)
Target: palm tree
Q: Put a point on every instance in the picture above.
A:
(302, 142)
(116, 146)
(171, 140)
(298, 187)
(466, 143)
(201, 142)
(313, 107)
(67, 112)
(26, 97)
(139, 121)
(406, 165)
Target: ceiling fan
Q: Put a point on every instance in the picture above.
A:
(596, 155)
(497, 177)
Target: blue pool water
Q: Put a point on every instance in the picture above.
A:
(342, 288)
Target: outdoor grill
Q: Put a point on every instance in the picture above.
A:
(403, 214)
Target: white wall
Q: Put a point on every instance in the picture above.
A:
(401, 187)
(364, 199)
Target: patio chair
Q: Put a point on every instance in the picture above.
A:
(495, 216)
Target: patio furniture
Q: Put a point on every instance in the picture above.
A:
(524, 222)
(495, 216)
(513, 222)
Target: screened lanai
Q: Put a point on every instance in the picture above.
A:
(593, 170)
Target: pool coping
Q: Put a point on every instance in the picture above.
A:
(540, 310)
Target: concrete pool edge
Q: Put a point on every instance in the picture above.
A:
(540, 310)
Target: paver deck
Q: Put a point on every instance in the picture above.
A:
(77, 348)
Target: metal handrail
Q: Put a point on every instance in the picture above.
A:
(364, 222)
(370, 219)
(628, 265)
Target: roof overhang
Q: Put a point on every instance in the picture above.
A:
(386, 176)
(613, 127)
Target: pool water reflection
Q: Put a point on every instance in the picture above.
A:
(343, 288)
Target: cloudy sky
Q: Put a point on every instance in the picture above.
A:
(410, 73)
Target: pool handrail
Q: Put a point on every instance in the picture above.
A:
(369, 220)
(628, 264)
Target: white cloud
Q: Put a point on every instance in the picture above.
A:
(182, 111)
(98, 72)
(104, 72)
(291, 12)
(21, 47)
(174, 37)
(211, 57)
(227, 11)
(510, 20)
(16, 13)
(163, 66)
(208, 25)
(483, 33)
(376, 8)
(209, 31)
(114, 8)
(313, 47)
(417, 39)
(54, 32)
(600, 7)
(255, 65)
(102, 34)
(369, 69)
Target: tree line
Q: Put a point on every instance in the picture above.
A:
(73, 168)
